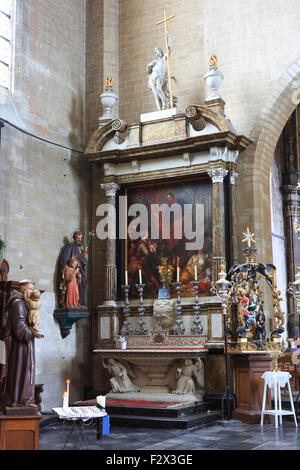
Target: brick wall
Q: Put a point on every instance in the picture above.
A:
(43, 187)
(102, 58)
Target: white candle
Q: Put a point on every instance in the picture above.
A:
(65, 401)
(177, 273)
(196, 278)
(101, 400)
(126, 278)
(68, 391)
(140, 276)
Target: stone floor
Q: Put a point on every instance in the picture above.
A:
(215, 437)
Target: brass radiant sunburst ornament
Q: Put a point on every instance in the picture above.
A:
(249, 237)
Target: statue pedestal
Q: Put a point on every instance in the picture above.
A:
(161, 114)
(67, 316)
(249, 367)
(19, 432)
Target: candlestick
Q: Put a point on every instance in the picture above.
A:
(126, 278)
(196, 278)
(177, 274)
(126, 327)
(197, 327)
(140, 277)
(179, 327)
(141, 328)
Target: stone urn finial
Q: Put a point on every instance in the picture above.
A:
(213, 78)
(108, 99)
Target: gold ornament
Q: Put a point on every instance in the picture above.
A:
(213, 61)
(275, 351)
(166, 272)
(109, 82)
(249, 237)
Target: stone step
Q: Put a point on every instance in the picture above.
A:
(172, 412)
(179, 422)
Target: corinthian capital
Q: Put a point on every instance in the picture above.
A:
(110, 188)
(217, 174)
(233, 177)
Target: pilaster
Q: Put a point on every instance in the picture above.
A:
(217, 176)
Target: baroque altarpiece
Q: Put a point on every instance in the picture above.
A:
(168, 157)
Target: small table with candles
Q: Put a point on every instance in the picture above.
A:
(80, 415)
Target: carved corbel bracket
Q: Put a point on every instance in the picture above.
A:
(195, 117)
(66, 317)
(119, 126)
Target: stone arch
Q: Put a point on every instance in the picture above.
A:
(254, 165)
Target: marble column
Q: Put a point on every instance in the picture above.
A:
(291, 212)
(233, 177)
(217, 175)
(110, 267)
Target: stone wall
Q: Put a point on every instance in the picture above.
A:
(139, 35)
(44, 194)
(102, 56)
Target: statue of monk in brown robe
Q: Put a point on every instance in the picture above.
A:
(20, 385)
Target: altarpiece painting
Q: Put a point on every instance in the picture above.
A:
(192, 200)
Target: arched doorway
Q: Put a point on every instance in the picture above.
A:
(285, 211)
(254, 165)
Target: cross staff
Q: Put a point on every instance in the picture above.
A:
(167, 49)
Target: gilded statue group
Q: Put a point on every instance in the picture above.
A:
(249, 299)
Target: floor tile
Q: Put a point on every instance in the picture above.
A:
(215, 437)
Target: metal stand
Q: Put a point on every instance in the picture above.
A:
(227, 397)
(127, 327)
(179, 327)
(197, 327)
(77, 427)
(141, 328)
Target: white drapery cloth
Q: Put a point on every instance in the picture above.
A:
(79, 412)
(272, 378)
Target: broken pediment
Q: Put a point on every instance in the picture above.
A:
(163, 132)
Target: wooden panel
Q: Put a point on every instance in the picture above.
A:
(243, 388)
(250, 386)
(19, 432)
(19, 440)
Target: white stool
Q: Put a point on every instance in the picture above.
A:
(277, 380)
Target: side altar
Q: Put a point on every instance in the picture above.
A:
(164, 192)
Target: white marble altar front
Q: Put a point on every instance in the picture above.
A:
(153, 370)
